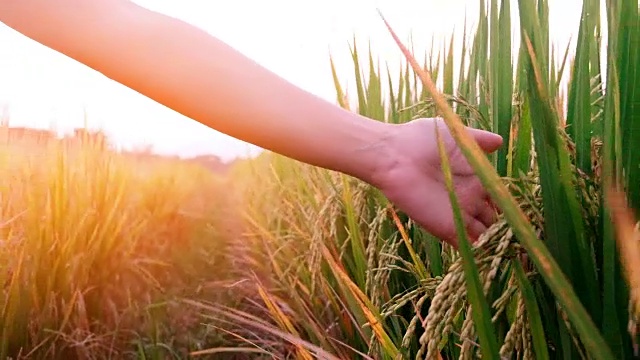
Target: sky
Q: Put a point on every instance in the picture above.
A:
(293, 38)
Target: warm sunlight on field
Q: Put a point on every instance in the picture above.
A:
(96, 247)
(110, 254)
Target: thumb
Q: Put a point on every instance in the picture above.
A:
(488, 141)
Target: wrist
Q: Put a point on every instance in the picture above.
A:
(372, 156)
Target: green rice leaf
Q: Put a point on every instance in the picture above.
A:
(479, 305)
(579, 108)
(501, 77)
(362, 97)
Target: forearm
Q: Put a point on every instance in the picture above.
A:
(197, 75)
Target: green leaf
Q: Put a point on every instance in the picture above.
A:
(362, 97)
(523, 144)
(579, 105)
(501, 77)
(479, 306)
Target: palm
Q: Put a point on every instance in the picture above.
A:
(417, 184)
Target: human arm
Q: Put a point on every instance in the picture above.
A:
(201, 77)
(193, 73)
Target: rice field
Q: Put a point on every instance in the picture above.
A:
(106, 256)
(98, 248)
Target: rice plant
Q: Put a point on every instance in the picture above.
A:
(350, 277)
(95, 249)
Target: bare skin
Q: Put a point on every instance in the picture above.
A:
(199, 76)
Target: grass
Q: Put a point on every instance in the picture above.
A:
(95, 255)
(107, 256)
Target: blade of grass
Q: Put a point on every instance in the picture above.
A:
(542, 15)
(375, 104)
(561, 69)
(364, 303)
(462, 81)
(501, 77)
(355, 236)
(252, 321)
(579, 105)
(340, 96)
(283, 320)
(483, 64)
(422, 271)
(522, 162)
(629, 77)
(480, 308)
(434, 251)
(393, 103)
(448, 71)
(362, 98)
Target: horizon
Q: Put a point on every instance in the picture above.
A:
(38, 138)
(44, 89)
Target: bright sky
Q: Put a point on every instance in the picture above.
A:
(292, 38)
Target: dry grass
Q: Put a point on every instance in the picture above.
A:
(97, 248)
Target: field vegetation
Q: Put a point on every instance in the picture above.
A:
(97, 246)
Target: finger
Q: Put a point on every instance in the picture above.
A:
(487, 215)
(452, 241)
(493, 205)
(475, 228)
(488, 141)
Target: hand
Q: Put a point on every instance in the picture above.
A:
(413, 181)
